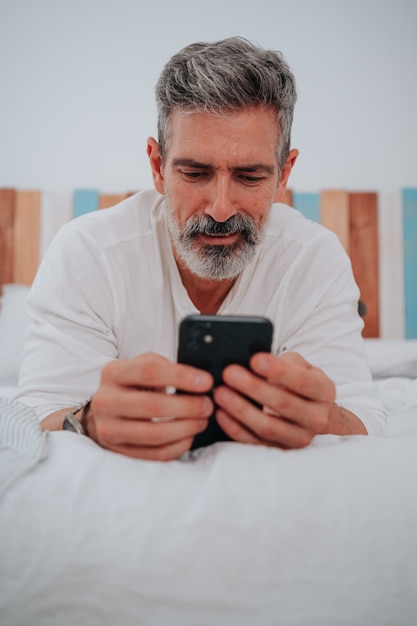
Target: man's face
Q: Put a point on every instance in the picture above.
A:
(220, 178)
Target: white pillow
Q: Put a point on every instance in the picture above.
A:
(392, 357)
(13, 324)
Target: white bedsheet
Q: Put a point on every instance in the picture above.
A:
(239, 535)
(7, 392)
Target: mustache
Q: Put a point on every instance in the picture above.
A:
(206, 225)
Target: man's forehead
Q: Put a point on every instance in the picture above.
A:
(252, 133)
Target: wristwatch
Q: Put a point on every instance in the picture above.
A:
(72, 423)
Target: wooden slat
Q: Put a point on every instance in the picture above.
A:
(107, 200)
(26, 236)
(334, 213)
(7, 203)
(56, 210)
(409, 197)
(84, 201)
(391, 266)
(308, 204)
(363, 245)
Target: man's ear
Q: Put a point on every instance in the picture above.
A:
(155, 161)
(285, 174)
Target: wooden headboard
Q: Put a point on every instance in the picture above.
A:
(378, 231)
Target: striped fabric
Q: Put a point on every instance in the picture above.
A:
(22, 443)
(377, 230)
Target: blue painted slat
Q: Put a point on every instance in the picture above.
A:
(84, 201)
(409, 198)
(308, 204)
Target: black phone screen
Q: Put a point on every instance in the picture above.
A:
(211, 342)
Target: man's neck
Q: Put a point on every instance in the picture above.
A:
(206, 295)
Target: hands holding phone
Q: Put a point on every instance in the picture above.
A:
(149, 421)
(280, 401)
(136, 412)
(297, 401)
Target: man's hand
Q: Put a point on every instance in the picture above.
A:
(297, 400)
(135, 412)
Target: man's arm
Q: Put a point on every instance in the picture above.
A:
(344, 422)
(54, 420)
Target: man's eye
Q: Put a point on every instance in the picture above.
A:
(252, 179)
(193, 175)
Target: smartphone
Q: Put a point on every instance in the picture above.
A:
(211, 342)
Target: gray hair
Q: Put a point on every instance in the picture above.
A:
(224, 76)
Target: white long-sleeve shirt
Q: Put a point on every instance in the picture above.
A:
(109, 287)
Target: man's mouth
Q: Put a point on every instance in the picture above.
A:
(220, 239)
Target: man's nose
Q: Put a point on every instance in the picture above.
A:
(221, 205)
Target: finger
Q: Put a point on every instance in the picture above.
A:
(296, 374)
(307, 413)
(153, 370)
(130, 402)
(235, 430)
(122, 432)
(267, 427)
(168, 452)
(262, 429)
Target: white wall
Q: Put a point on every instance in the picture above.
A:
(77, 79)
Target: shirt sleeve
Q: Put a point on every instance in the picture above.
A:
(72, 307)
(321, 322)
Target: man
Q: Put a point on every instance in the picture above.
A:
(114, 285)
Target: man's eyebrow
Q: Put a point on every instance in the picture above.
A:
(191, 163)
(253, 168)
(257, 167)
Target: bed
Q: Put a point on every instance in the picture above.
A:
(232, 534)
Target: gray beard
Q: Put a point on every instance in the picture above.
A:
(215, 262)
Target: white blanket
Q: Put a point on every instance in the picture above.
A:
(237, 534)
